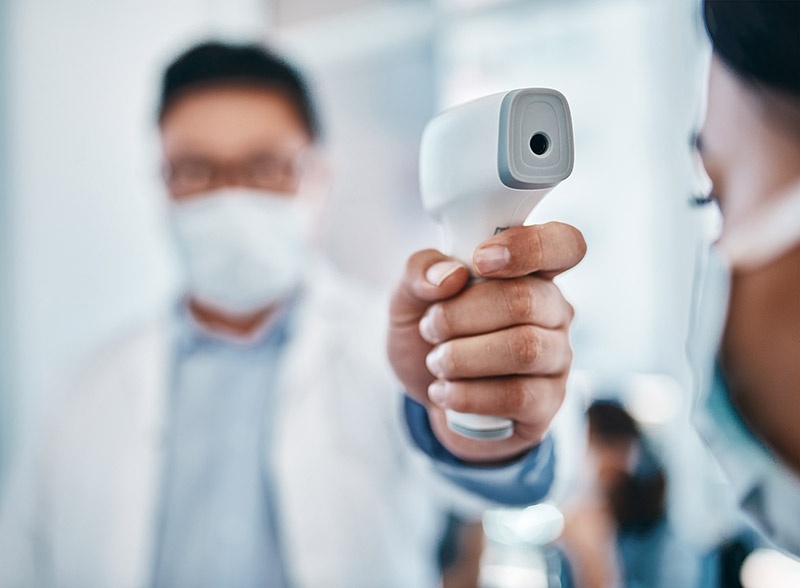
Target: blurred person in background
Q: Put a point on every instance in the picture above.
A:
(746, 329)
(254, 437)
(617, 532)
(460, 553)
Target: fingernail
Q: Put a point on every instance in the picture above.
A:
(437, 392)
(438, 272)
(491, 259)
(426, 326)
(434, 361)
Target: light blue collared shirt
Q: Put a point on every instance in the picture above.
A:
(219, 525)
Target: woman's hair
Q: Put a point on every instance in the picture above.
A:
(758, 39)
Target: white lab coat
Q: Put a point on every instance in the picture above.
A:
(357, 506)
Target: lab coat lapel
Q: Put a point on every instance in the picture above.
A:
(112, 499)
(333, 468)
(294, 449)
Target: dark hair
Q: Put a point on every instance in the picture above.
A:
(609, 421)
(216, 64)
(759, 40)
(638, 500)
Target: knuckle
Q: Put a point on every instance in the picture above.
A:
(536, 248)
(519, 300)
(527, 347)
(548, 395)
(516, 395)
(537, 391)
(459, 401)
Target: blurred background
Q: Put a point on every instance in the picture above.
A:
(83, 249)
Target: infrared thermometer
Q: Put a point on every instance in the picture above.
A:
(484, 165)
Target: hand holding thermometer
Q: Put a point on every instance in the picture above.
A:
(484, 165)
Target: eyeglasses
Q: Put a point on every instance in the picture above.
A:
(265, 171)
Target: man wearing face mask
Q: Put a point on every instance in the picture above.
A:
(746, 331)
(258, 438)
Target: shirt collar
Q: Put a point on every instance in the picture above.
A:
(191, 334)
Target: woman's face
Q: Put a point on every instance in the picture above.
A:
(750, 147)
(749, 153)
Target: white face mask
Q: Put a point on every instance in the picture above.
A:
(242, 249)
(766, 489)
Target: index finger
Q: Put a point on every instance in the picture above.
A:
(429, 276)
(547, 249)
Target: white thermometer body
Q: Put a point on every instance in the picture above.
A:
(484, 166)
